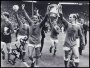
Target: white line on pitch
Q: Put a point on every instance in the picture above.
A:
(26, 64)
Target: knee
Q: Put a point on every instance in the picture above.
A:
(76, 59)
(76, 56)
(2, 44)
(65, 58)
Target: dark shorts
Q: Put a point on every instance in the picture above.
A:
(6, 38)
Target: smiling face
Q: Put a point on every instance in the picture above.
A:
(53, 17)
(35, 19)
(72, 18)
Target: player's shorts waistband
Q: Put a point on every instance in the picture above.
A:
(34, 45)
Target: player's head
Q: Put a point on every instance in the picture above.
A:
(35, 19)
(53, 17)
(72, 18)
(5, 15)
(24, 20)
(82, 21)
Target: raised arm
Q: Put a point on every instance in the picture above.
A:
(17, 16)
(64, 21)
(44, 20)
(26, 15)
(50, 23)
(18, 19)
(11, 27)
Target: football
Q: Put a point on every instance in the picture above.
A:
(15, 7)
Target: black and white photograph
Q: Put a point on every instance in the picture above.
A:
(44, 33)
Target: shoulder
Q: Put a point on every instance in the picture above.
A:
(69, 24)
(79, 26)
(85, 25)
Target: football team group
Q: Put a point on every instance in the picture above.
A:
(33, 33)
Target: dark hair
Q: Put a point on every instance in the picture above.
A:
(78, 16)
(74, 16)
(6, 14)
